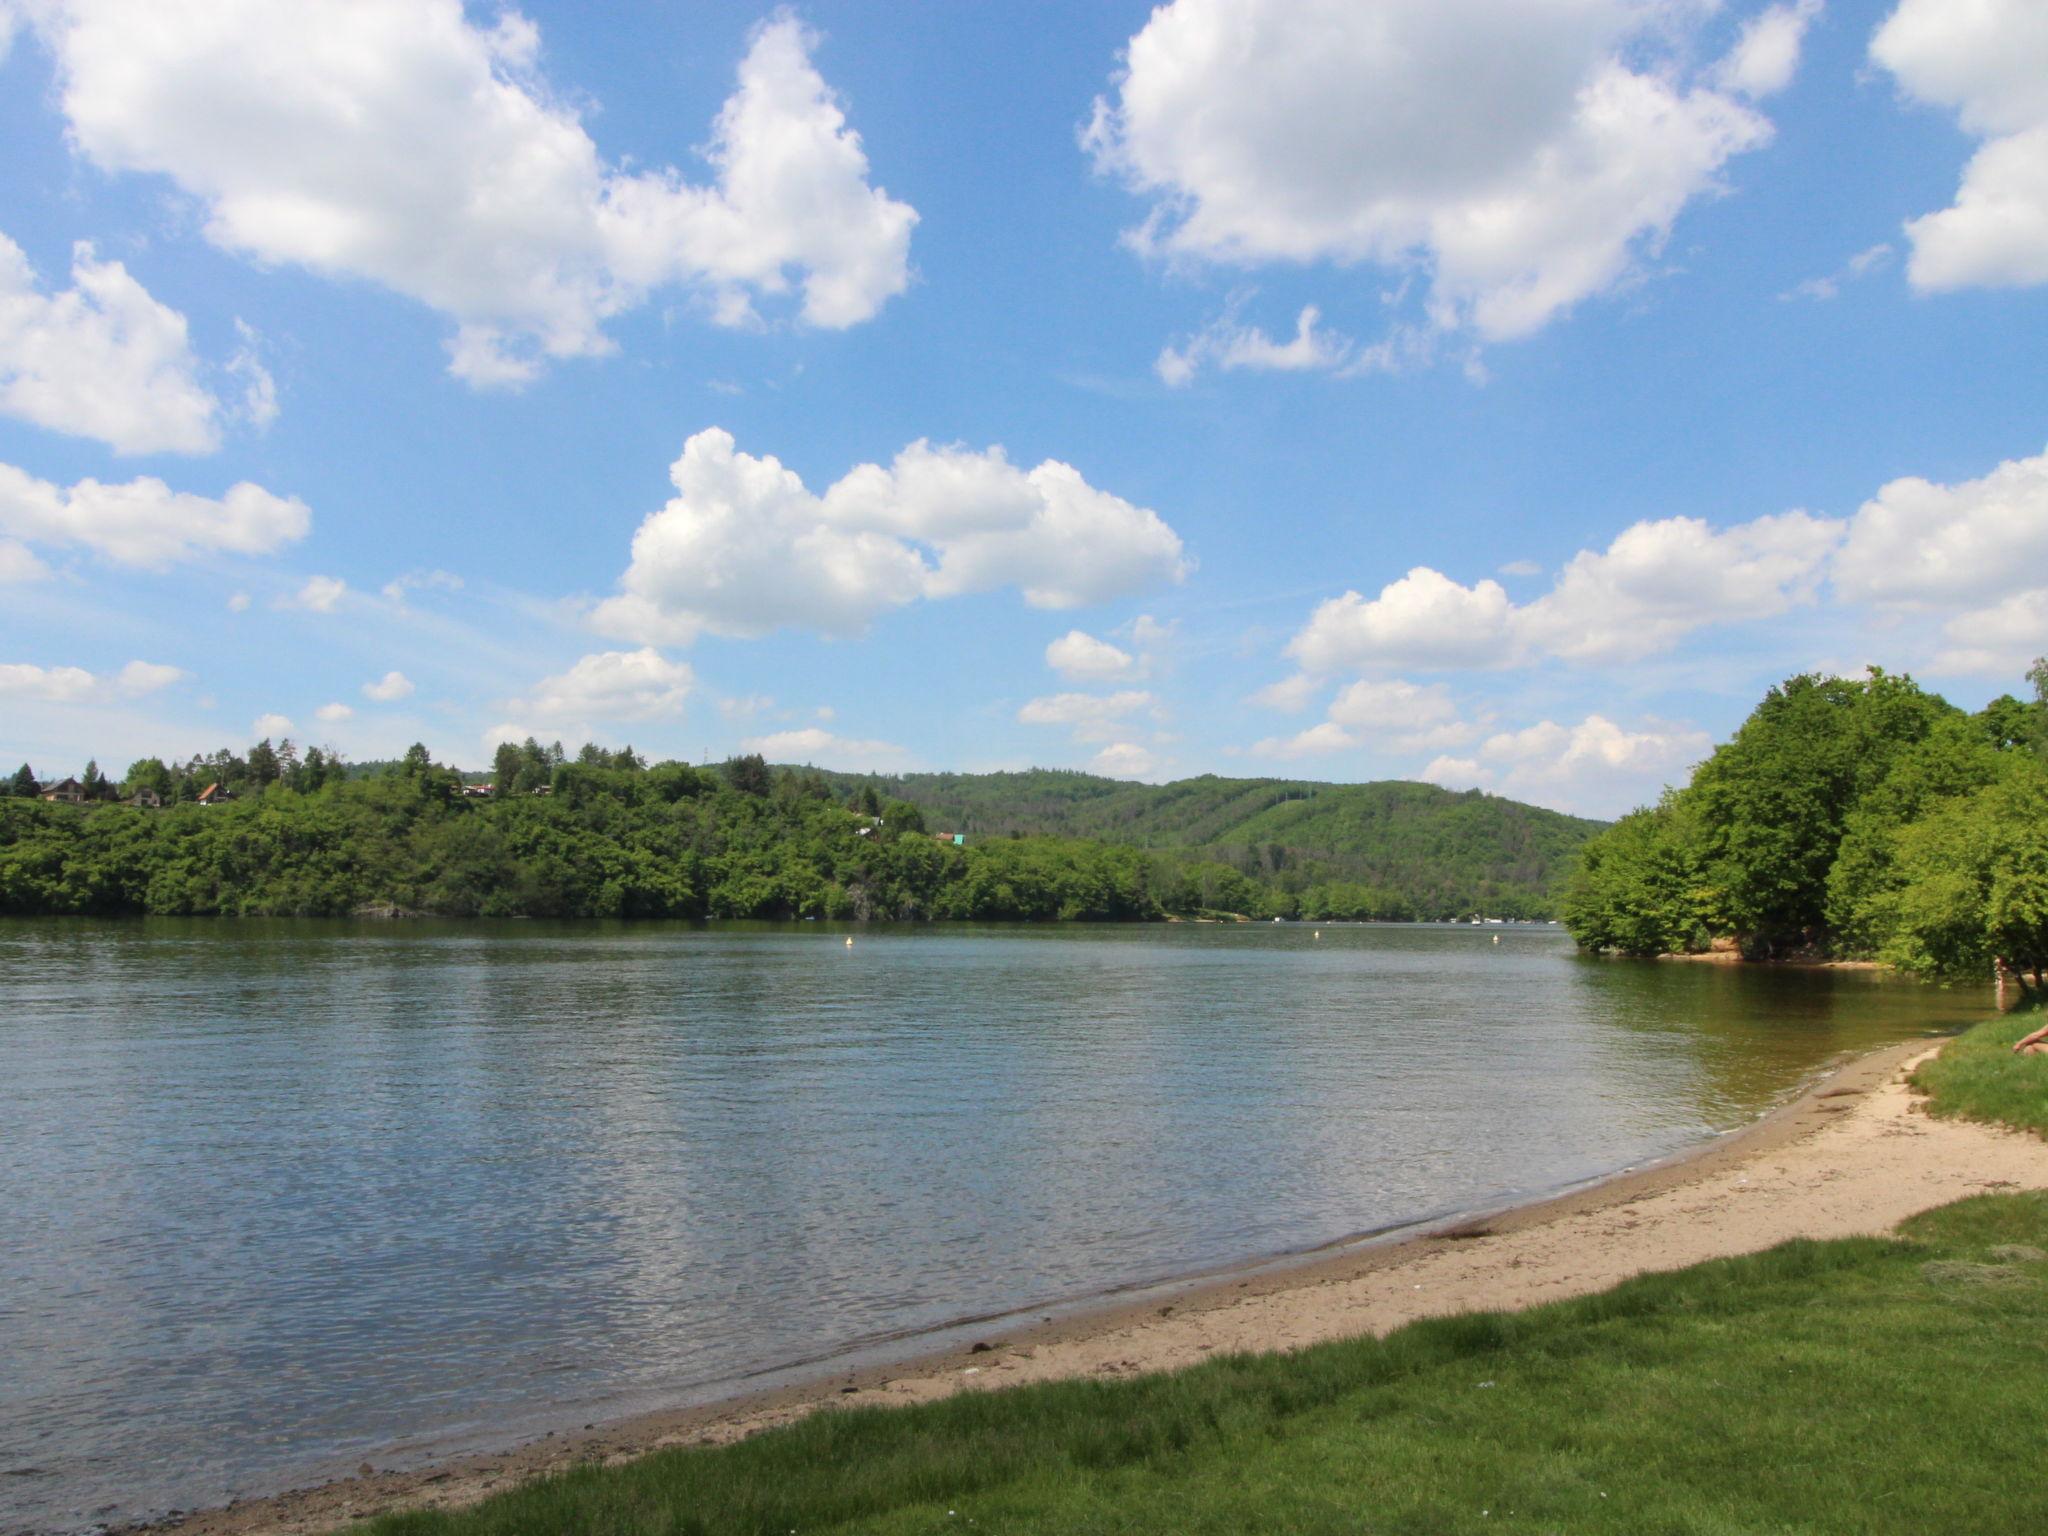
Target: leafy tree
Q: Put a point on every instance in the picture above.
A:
(505, 765)
(749, 775)
(263, 764)
(416, 762)
(24, 785)
(147, 773)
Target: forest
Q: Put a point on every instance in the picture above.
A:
(603, 833)
(1847, 818)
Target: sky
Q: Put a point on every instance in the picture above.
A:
(1501, 393)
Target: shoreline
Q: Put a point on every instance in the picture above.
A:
(1851, 1154)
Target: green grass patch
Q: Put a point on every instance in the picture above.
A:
(1866, 1385)
(1977, 1076)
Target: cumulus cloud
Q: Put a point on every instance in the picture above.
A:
(1766, 55)
(1423, 620)
(745, 547)
(140, 677)
(1090, 716)
(1655, 583)
(102, 359)
(48, 685)
(612, 686)
(1125, 760)
(265, 727)
(333, 713)
(398, 142)
(1920, 544)
(1228, 344)
(1596, 767)
(145, 523)
(1986, 61)
(1998, 641)
(1394, 715)
(320, 594)
(1084, 658)
(1523, 157)
(18, 563)
(389, 688)
(821, 748)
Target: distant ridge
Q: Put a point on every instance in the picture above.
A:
(1441, 849)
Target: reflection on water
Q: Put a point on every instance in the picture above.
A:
(282, 1195)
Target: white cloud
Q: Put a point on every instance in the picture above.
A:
(1423, 620)
(49, 685)
(1594, 768)
(102, 359)
(1125, 760)
(1522, 155)
(1659, 581)
(1655, 583)
(1919, 544)
(18, 563)
(264, 727)
(745, 547)
(1986, 60)
(1316, 741)
(320, 594)
(421, 581)
(1857, 267)
(612, 686)
(1393, 715)
(1998, 641)
(144, 522)
(1083, 658)
(239, 602)
(821, 748)
(1229, 345)
(1290, 695)
(1090, 716)
(140, 677)
(332, 713)
(389, 688)
(259, 389)
(1766, 55)
(1521, 568)
(396, 142)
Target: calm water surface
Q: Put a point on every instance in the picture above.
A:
(278, 1197)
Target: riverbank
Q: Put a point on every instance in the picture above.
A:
(1854, 1155)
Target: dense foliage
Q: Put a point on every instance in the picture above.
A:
(1383, 850)
(604, 834)
(1852, 817)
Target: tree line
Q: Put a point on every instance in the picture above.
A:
(1846, 818)
(600, 833)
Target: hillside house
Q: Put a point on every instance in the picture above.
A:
(147, 798)
(65, 792)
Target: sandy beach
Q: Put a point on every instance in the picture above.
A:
(1854, 1155)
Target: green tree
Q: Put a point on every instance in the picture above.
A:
(263, 764)
(749, 774)
(505, 765)
(25, 785)
(147, 773)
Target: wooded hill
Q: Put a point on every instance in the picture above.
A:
(1440, 853)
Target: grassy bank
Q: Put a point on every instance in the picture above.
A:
(1854, 1386)
(1977, 1077)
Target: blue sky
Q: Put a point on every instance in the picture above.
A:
(1492, 392)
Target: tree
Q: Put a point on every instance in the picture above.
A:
(505, 765)
(25, 784)
(2037, 674)
(263, 764)
(749, 775)
(417, 760)
(94, 782)
(147, 773)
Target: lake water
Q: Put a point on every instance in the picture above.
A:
(279, 1197)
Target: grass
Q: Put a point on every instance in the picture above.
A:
(1865, 1385)
(1977, 1077)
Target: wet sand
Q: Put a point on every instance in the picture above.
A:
(1854, 1155)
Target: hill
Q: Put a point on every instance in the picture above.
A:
(1441, 852)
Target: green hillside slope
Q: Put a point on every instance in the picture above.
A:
(1443, 852)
